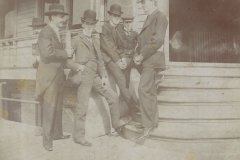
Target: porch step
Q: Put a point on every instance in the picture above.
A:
(199, 111)
(198, 95)
(199, 83)
(193, 131)
(202, 72)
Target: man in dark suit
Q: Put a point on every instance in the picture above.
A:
(151, 57)
(89, 73)
(50, 75)
(112, 55)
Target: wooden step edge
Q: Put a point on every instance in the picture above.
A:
(197, 104)
(200, 120)
(129, 129)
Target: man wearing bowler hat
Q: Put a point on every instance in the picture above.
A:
(50, 75)
(112, 55)
(150, 56)
(37, 25)
(91, 74)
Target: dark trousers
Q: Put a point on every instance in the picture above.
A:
(52, 110)
(148, 97)
(91, 81)
(122, 78)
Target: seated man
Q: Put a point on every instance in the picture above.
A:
(89, 73)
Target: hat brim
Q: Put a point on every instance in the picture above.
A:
(39, 25)
(89, 21)
(115, 13)
(128, 20)
(55, 12)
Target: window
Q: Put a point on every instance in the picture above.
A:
(204, 31)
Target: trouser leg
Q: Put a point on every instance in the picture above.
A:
(148, 98)
(83, 95)
(49, 113)
(121, 82)
(111, 98)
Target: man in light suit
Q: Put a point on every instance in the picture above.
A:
(88, 73)
(149, 54)
(50, 75)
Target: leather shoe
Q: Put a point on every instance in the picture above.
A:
(49, 148)
(63, 137)
(85, 143)
(123, 122)
(146, 133)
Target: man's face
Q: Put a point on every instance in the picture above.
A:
(115, 18)
(128, 25)
(58, 20)
(37, 30)
(147, 5)
(88, 27)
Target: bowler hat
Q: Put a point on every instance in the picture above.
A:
(89, 16)
(56, 9)
(115, 9)
(37, 22)
(127, 18)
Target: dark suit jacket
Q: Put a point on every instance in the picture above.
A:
(108, 41)
(53, 58)
(125, 42)
(150, 40)
(82, 50)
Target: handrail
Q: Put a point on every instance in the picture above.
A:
(17, 100)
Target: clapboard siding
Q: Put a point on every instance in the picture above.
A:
(26, 11)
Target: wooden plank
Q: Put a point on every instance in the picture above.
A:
(202, 72)
(26, 7)
(199, 112)
(25, 3)
(29, 10)
(20, 17)
(201, 83)
(24, 34)
(196, 95)
(25, 20)
(22, 25)
(19, 30)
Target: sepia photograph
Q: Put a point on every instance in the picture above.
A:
(119, 80)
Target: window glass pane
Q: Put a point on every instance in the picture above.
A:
(204, 31)
(78, 9)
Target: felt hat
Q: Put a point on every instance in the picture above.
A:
(115, 9)
(37, 22)
(89, 16)
(56, 9)
(128, 18)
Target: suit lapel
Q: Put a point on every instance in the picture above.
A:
(149, 20)
(54, 35)
(85, 41)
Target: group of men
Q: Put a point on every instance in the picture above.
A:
(119, 50)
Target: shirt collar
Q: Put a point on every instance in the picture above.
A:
(86, 34)
(127, 30)
(113, 25)
(54, 27)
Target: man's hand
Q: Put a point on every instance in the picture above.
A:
(70, 52)
(105, 82)
(81, 68)
(138, 59)
(124, 63)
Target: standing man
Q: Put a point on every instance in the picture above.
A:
(37, 25)
(89, 73)
(112, 55)
(50, 75)
(151, 57)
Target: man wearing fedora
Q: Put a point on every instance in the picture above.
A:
(92, 75)
(50, 75)
(37, 25)
(150, 56)
(112, 55)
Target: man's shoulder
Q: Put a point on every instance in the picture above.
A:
(45, 31)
